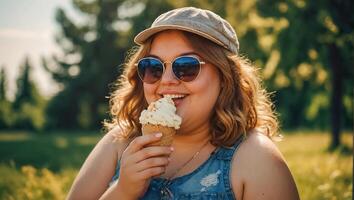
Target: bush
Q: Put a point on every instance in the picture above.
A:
(39, 184)
(7, 118)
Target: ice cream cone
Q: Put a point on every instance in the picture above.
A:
(161, 117)
(167, 134)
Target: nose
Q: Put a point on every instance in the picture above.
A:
(168, 76)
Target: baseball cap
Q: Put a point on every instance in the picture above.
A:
(202, 22)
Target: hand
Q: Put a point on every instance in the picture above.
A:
(139, 164)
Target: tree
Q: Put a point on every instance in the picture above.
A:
(316, 49)
(6, 119)
(25, 88)
(3, 83)
(304, 49)
(89, 65)
(93, 54)
(29, 105)
(290, 40)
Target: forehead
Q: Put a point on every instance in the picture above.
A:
(171, 43)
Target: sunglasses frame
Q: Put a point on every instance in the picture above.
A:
(164, 67)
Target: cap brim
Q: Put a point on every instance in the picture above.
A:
(147, 33)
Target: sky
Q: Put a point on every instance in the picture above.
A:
(27, 28)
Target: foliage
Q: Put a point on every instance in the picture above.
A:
(299, 46)
(6, 115)
(44, 167)
(3, 82)
(305, 50)
(30, 116)
(40, 184)
(32, 183)
(28, 107)
(92, 55)
(27, 110)
(314, 65)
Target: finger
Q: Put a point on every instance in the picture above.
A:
(151, 163)
(152, 151)
(151, 172)
(139, 142)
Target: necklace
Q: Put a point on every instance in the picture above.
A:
(165, 192)
(188, 161)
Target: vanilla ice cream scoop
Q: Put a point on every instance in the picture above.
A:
(161, 112)
(161, 117)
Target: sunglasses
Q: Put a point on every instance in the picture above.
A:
(185, 68)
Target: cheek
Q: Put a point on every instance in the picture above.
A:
(209, 94)
(206, 92)
(149, 92)
(209, 86)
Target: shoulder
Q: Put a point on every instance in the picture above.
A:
(113, 138)
(259, 170)
(108, 150)
(98, 168)
(258, 147)
(257, 153)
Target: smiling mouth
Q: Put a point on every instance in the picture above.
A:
(176, 98)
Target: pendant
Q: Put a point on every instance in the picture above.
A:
(166, 193)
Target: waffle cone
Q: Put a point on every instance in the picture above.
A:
(167, 134)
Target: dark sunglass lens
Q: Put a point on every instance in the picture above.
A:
(150, 70)
(186, 68)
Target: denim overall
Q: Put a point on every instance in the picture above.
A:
(211, 180)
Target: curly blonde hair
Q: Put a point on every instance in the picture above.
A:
(242, 105)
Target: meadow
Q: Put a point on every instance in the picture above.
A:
(43, 166)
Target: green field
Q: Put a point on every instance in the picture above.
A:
(38, 166)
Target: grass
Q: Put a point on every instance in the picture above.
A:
(318, 172)
(35, 166)
(53, 151)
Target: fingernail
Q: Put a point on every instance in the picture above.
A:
(158, 135)
(172, 149)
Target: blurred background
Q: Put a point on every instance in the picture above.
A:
(59, 60)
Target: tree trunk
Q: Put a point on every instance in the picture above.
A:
(336, 97)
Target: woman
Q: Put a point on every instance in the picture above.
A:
(223, 149)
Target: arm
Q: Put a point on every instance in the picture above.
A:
(138, 165)
(98, 169)
(260, 172)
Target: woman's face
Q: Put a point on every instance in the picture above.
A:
(199, 95)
